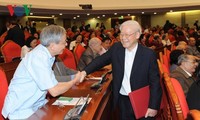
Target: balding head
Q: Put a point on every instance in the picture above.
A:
(95, 44)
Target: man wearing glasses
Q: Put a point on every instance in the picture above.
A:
(133, 66)
(183, 73)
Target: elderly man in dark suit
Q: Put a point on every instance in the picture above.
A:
(90, 53)
(133, 66)
(183, 73)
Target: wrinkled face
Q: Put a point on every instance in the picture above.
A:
(106, 44)
(190, 65)
(97, 47)
(129, 37)
(60, 46)
(33, 43)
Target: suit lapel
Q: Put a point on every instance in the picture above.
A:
(121, 56)
(137, 60)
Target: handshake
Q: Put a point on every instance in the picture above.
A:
(79, 77)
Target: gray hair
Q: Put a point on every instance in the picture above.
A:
(94, 41)
(184, 58)
(133, 24)
(51, 34)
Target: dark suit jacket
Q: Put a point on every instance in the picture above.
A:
(144, 71)
(17, 35)
(184, 79)
(86, 58)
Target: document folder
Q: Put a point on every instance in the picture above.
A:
(140, 101)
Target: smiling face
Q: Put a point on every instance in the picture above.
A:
(129, 37)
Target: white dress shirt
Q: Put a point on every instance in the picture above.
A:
(129, 59)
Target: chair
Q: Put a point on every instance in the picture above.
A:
(177, 101)
(68, 59)
(78, 51)
(3, 88)
(164, 112)
(3, 37)
(10, 50)
(26, 34)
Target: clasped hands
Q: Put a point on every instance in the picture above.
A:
(79, 77)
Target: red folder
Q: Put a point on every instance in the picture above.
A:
(140, 101)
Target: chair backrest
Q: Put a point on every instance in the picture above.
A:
(164, 112)
(78, 51)
(10, 50)
(176, 97)
(26, 34)
(3, 37)
(68, 59)
(3, 88)
(181, 97)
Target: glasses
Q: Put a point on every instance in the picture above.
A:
(126, 35)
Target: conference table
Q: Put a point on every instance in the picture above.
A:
(98, 108)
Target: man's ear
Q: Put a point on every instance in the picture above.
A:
(137, 34)
(51, 46)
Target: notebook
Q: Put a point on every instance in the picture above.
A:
(140, 101)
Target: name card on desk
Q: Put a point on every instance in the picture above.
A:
(70, 100)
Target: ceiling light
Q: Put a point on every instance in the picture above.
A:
(115, 13)
(154, 13)
(31, 13)
(53, 16)
(88, 14)
(129, 14)
(74, 17)
(142, 12)
(103, 15)
(98, 16)
(78, 15)
(60, 14)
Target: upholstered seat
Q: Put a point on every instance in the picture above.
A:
(10, 50)
(68, 59)
(3, 88)
(78, 51)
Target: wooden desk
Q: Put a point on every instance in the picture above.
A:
(98, 108)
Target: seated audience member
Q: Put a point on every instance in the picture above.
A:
(34, 76)
(157, 42)
(78, 40)
(63, 73)
(174, 58)
(30, 43)
(192, 49)
(106, 43)
(183, 73)
(165, 40)
(90, 53)
(182, 45)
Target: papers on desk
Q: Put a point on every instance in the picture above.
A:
(70, 100)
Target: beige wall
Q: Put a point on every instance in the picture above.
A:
(175, 17)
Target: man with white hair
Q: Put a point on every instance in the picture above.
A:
(93, 50)
(133, 67)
